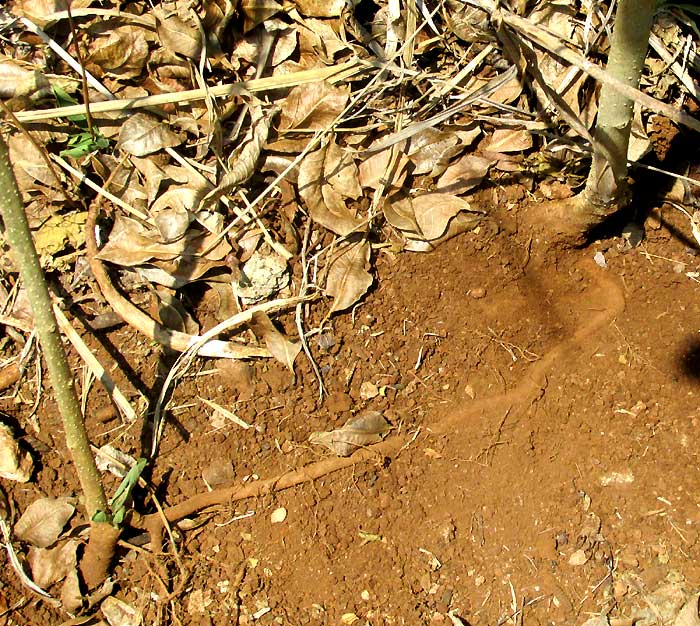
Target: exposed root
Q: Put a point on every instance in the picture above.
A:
(566, 223)
(99, 553)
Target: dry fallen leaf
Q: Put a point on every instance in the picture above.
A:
(431, 150)
(509, 140)
(433, 212)
(280, 347)
(179, 36)
(366, 429)
(314, 106)
(326, 179)
(21, 79)
(123, 54)
(348, 279)
(463, 175)
(51, 565)
(143, 134)
(320, 8)
(43, 520)
(15, 463)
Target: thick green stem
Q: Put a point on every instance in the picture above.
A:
(20, 239)
(630, 39)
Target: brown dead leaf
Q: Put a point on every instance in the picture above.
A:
(123, 54)
(36, 10)
(348, 279)
(375, 169)
(364, 430)
(326, 177)
(509, 140)
(71, 593)
(314, 106)
(21, 79)
(29, 167)
(131, 243)
(179, 36)
(43, 520)
(401, 216)
(463, 175)
(120, 613)
(461, 223)
(51, 565)
(284, 350)
(257, 11)
(144, 134)
(172, 212)
(431, 150)
(433, 212)
(320, 8)
(317, 38)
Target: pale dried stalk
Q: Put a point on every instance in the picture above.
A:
(95, 366)
(333, 74)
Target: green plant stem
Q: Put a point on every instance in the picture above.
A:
(25, 255)
(605, 187)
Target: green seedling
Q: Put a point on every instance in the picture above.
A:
(118, 503)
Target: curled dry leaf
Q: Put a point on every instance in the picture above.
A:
(348, 279)
(426, 217)
(123, 54)
(29, 167)
(144, 134)
(378, 168)
(243, 160)
(131, 243)
(257, 11)
(172, 212)
(15, 463)
(319, 38)
(326, 178)
(280, 347)
(51, 565)
(364, 430)
(43, 520)
(433, 212)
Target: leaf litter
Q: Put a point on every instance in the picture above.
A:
(213, 159)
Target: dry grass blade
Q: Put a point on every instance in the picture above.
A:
(95, 366)
(334, 74)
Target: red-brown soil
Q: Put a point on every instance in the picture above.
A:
(533, 393)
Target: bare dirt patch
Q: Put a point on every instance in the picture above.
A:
(547, 412)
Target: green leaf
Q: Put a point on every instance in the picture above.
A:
(83, 143)
(118, 502)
